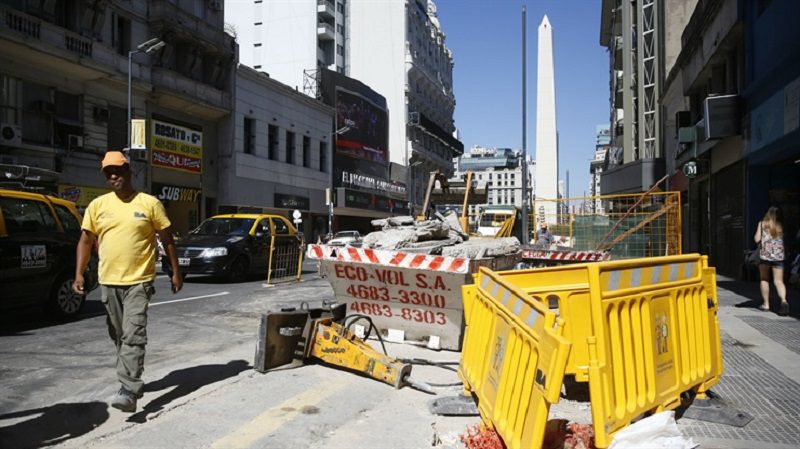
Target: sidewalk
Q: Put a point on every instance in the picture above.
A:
(761, 356)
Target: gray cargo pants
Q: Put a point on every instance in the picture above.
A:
(127, 326)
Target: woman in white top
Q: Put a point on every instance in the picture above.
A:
(769, 236)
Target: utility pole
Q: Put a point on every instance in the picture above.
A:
(524, 155)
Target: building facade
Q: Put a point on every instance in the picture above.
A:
(497, 170)
(397, 48)
(64, 102)
(280, 159)
(602, 143)
(633, 33)
(707, 72)
(771, 118)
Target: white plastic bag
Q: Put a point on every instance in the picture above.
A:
(658, 431)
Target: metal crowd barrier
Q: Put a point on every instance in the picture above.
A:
(641, 332)
(285, 259)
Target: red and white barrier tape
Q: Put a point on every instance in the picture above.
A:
(579, 256)
(399, 259)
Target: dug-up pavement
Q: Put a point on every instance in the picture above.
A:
(316, 406)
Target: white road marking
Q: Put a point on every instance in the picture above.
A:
(189, 299)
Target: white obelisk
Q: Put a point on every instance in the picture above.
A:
(546, 139)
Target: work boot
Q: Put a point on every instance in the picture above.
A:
(124, 400)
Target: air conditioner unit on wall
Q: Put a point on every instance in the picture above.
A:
(74, 142)
(10, 134)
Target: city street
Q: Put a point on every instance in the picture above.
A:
(57, 379)
(201, 390)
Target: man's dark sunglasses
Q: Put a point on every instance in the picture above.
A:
(119, 171)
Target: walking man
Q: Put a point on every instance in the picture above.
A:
(126, 222)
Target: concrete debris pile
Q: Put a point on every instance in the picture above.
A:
(478, 249)
(441, 235)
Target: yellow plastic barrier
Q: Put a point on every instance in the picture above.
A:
(513, 358)
(642, 331)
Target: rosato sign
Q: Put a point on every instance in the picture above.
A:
(420, 302)
(177, 147)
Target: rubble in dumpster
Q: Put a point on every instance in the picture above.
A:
(441, 235)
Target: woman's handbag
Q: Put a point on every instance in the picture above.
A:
(752, 257)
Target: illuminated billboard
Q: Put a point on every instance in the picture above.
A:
(367, 128)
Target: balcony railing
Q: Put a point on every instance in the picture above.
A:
(45, 32)
(325, 8)
(78, 44)
(165, 16)
(22, 23)
(325, 31)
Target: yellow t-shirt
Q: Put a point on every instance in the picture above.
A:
(126, 233)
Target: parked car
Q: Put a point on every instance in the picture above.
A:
(38, 238)
(344, 238)
(232, 245)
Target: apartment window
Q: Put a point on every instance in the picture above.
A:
(340, 7)
(249, 135)
(121, 34)
(339, 50)
(306, 152)
(339, 28)
(323, 157)
(289, 147)
(272, 142)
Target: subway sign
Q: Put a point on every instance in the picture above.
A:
(166, 193)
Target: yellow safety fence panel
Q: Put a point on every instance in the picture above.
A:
(513, 359)
(285, 258)
(659, 338)
(642, 332)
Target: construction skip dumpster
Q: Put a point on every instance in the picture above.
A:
(641, 332)
(418, 294)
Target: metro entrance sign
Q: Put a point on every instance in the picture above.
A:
(690, 169)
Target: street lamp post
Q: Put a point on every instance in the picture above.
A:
(148, 47)
(338, 132)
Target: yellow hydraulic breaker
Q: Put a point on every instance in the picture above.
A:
(309, 334)
(337, 346)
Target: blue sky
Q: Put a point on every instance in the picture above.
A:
(485, 37)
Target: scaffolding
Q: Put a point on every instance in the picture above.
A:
(628, 226)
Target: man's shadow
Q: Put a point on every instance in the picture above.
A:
(185, 382)
(52, 425)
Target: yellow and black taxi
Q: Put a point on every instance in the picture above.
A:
(233, 245)
(38, 237)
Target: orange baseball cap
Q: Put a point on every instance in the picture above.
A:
(115, 158)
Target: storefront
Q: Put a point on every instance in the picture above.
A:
(176, 156)
(80, 195)
(182, 205)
